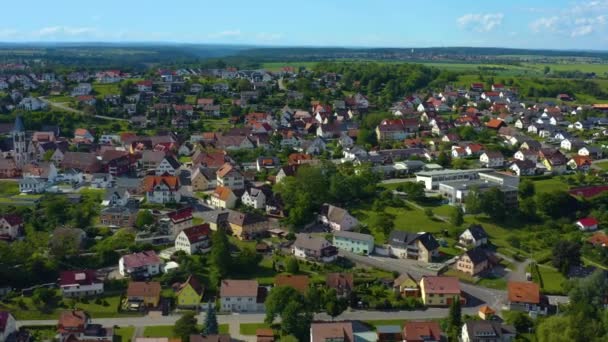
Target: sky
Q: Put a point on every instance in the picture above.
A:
(542, 24)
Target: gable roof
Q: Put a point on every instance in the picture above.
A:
(73, 319)
(477, 255)
(441, 285)
(523, 292)
(194, 283)
(401, 239)
(477, 232)
(4, 316)
(150, 182)
(140, 259)
(239, 288)
(321, 332)
(84, 277)
(144, 289)
(422, 331)
(298, 282)
(340, 280)
(197, 233)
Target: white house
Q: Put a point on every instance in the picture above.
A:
(254, 197)
(101, 180)
(482, 331)
(493, 159)
(314, 248)
(241, 296)
(169, 165)
(337, 218)
(223, 197)
(162, 189)
(228, 176)
(587, 224)
(32, 104)
(144, 264)
(475, 236)
(591, 151)
(194, 239)
(11, 226)
(80, 283)
(32, 185)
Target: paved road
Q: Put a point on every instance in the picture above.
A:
(236, 319)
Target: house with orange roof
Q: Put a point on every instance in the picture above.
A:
(223, 197)
(82, 135)
(524, 296)
(161, 189)
(229, 176)
(495, 124)
(298, 282)
(598, 239)
(579, 163)
(485, 312)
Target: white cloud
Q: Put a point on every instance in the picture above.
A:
(545, 24)
(62, 31)
(265, 37)
(582, 31)
(480, 22)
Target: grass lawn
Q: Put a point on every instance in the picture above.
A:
(31, 311)
(42, 332)
(224, 328)
(215, 124)
(493, 283)
(159, 331)
(123, 334)
(185, 159)
(61, 99)
(106, 89)
(9, 188)
(547, 185)
(603, 165)
(552, 279)
(250, 328)
(191, 99)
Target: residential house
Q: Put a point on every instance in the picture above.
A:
(255, 197)
(587, 224)
(241, 296)
(82, 135)
(8, 326)
(151, 159)
(223, 197)
(143, 294)
(396, 129)
(267, 163)
(101, 180)
(140, 265)
(194, 239)
(162, 189)
(331, 331)
(247, 226)
(189, 294)
(475, 236)
(571, 144)
(80, 283)
(118, 216)
(8, 168)
(473, 261)
(523, 167)
(75, 325)
(343, 283)
(594, 152)
(492, 159)
(11, 227)
(336, 218)
(486, 331)
(579, 163)
(228, 176)
(32, 185)
(406, 286)
(168, 166)
(354, 242)
(440, 291)
(314, 248)
(180, 219)
(389, 333)
(298, 282)
(422, 331)
(524, 296)
(417, 246)
(526, 154)
(82, 161)
(203, 178)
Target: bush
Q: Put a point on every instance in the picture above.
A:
(98, 301)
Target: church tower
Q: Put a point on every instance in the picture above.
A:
(19, 144)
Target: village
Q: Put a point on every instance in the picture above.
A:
(207, 192)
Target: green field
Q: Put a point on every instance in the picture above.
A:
(9, 188)
(123, 334)
(602, 165)
(276, 66)
(250, 328)
(29, 310)
(548, 185)
(167, 330)
(103, 89)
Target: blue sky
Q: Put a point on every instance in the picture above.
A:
(554, 24)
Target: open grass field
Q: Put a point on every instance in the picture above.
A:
(276, 66)
(602, 165)
(29, 310)
(9, 188)
(103, 89)
(548, 185)
(250, 328)
(167, 330)
(123, 334)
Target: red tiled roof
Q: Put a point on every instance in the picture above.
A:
(523, 292)
(442, 285)
(495, 123)
(84, 277)
(197, 233)
(150, 182)
(74, 319)
(180, 215)
(422, 331)
(588, 222)
(13, 219)
(598, 239)
(298, 282)
(239, 288)
(140, 259)
(588, 192)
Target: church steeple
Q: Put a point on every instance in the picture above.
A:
(19, 144)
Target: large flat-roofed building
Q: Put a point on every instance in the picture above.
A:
(432, 179)
(456, 192)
